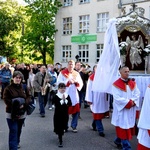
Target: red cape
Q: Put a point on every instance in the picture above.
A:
(92, 76)
(66, 73)
(120, 84)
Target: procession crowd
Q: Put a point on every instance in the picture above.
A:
(66, 89)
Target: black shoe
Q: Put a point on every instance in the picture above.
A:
(79, 117)
(42, 115)
(94, 129)
(18, 146)
(60, 144)
(119, 146)
(86, 106)
(101, 134)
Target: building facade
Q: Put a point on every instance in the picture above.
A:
(82, 24)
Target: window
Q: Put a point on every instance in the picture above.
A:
(84, 24)
(66, 53)
(102, 19)
(68, 2)
(99, 49)
(84, 53)
(124, 2)
(67, 25)
(84, 1)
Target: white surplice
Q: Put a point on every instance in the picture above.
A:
(144, 121)
(121, 116)
(72, 89)
(99, 100)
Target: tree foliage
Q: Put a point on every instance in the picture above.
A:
(10, 20)
(40, 30)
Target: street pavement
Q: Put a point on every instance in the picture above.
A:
(38, 133)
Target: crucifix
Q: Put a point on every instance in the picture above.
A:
(134, 6)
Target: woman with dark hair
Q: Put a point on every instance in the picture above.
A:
(16, 99)
(61, 101)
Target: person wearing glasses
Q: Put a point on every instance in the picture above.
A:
(16, 100)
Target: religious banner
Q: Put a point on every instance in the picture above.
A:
(108, 65)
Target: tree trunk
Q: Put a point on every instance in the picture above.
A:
(44, 56)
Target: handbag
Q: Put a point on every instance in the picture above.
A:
(31, 106)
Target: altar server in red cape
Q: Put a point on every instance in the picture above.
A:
(98, 103)
(144, 123)
(73, 82)
(126, 100)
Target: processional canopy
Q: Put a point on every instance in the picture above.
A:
(134, 22)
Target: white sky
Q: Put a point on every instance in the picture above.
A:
(21, 2)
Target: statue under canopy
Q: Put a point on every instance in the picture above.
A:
(134, 48)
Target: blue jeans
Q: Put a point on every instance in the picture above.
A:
(15, 128)
(42, 102)
(81, 97)
(74, 121)
(125, 143)
(99, 126)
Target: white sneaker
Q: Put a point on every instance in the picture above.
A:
(74, 130)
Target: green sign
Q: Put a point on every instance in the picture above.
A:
(83, 38)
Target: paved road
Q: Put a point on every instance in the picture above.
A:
(38, 133)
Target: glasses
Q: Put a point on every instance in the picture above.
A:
(18, 77)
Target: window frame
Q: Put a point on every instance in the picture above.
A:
(68, 3)
(66, 53)
(83, 51)
(68, 25)
(102, 20)
(99, 50)
(84, 1)
(84, 23)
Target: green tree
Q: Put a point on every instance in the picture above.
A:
(40, 30)
(10, 26)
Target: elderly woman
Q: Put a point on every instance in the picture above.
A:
(16, 98)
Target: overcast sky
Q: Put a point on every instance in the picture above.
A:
(20, 2)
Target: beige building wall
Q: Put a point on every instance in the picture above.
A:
(92, 8)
